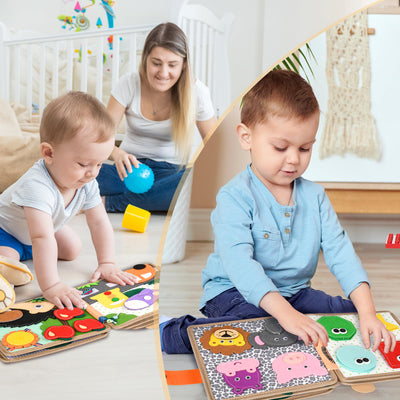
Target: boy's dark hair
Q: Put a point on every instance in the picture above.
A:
(73, 112)
(279, 93)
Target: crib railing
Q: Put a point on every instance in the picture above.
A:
(37, 69)
(208, 37)
(64, 62)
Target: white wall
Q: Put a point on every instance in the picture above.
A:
(385, 89)
(262, 32)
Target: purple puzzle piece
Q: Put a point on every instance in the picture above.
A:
(241, 374)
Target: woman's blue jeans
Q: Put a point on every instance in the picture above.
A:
(157, 198)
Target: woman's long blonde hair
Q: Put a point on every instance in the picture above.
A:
(171, 37)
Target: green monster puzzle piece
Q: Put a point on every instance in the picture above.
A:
(338, 328)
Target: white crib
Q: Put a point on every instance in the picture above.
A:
(34, 69)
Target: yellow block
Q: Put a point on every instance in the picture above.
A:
(135, 218)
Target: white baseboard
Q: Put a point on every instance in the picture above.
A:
(360, 228)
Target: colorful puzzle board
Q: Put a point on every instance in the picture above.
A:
(123, 307)
(35, 327)
(377, 368)
(257, 359)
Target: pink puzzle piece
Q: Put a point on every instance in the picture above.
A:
(296, 365)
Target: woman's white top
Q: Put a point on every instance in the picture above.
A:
(145, 138)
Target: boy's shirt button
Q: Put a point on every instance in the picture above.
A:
(287, 230)
(287, 214)
(266, 235)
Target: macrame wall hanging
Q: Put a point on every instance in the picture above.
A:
(349, 126)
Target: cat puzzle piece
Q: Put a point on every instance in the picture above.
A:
(338, 328)
(144, 272)
(388, 325)
(226, 340)
(241, 374)
(297, 364)
(356, 358)
(272, 335)
(140, 300)
(393, 357)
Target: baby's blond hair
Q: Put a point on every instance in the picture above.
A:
(70, 114)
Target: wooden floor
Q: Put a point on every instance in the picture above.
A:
(124, 365)
(180, 292)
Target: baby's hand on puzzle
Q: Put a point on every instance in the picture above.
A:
(62, 295)
(112, 273)
(371, 325)
(303, 326)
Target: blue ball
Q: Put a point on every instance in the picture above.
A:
(140, 180)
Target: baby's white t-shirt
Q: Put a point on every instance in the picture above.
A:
(37, 189)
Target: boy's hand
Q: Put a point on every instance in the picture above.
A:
(113, 274)
(62, 295)
(303, 326)
(292, 320)
(371, 325)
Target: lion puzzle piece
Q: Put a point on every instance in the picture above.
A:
(226, 340)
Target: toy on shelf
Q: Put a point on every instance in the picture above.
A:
(135, 218)
(35, 327)
(393, 241)
(258, 359)
(140, 180)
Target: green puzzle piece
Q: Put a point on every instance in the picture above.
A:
(338, 328)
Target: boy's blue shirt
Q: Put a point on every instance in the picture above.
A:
(262, 246)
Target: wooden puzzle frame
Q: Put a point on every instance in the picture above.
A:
(219, 387)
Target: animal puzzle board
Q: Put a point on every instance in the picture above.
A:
(129, 306)
(258, 359)
(35, 327)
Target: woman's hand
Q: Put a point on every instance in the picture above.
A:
(123, 162)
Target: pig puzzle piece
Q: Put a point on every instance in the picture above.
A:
(338, 328)
(356, 358)
(272, 335)
(241, 374)
(297, 364)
